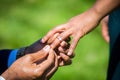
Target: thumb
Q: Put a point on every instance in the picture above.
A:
(41, 54)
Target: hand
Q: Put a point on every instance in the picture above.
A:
(62, 50)
(77, 27)
(32, 66)
(105, 33)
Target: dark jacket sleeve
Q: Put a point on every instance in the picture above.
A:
(4, 54)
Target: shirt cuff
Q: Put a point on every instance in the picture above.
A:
(12, 57)
(1, 78)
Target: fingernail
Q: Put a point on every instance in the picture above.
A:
(69, 53)
(42, 40)
(46, 48)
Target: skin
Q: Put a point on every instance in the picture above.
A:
(32, 66)
(104, 25)
(62, 50)
(80, 25)
(76, 27)
(38, 62)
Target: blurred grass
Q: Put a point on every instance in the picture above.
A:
(24, 21)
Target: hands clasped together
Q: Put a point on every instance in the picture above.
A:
(76, 27)
(40, 62)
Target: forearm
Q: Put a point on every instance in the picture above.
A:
(103, 7)
(91, 18)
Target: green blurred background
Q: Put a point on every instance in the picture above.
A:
(24, 21)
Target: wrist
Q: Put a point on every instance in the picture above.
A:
(5, 75)
(9, 74)
(96, 16)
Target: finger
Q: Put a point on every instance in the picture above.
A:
(104, 24)
(60, 38)
(66, 59)
(61, 62)
(105, 31)
(73, 45)
(41, 54)
(53, 31)
(63, 44)
(52, 38)
(63, 50)
(54, 69)
(47, 63)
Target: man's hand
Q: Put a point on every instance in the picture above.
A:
(61, 49)
(41, 64)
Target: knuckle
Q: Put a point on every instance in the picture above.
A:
(38, 73)
(49, 33)
(28, 56)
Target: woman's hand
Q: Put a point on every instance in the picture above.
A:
(41, 64)
(82, 24)
(76, 27)
(104, 25)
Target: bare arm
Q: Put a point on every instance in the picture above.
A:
(104, 7)
(81, 24)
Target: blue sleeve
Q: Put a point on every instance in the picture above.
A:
(12, 57)
(7, 57)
